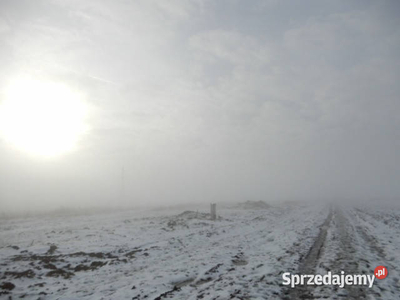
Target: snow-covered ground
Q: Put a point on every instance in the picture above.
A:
(178, 254)
(359, 240)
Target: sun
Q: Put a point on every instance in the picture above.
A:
(43, 118)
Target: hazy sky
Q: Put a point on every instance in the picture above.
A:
(209, 100)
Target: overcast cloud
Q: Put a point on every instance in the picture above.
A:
(210, 100)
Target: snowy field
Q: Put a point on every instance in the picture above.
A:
(182, 254)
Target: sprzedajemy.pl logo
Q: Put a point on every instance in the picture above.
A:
(340, 280)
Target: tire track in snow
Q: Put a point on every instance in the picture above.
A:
(309, 263)
(372, 243)
(347, 259)
(351, 249)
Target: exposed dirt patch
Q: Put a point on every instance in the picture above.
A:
(60, 273)
(131, 254)
(93, 266)
(24, 274)
(7, 286)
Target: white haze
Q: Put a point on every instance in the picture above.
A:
(200, 101)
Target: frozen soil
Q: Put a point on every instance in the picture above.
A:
(166, 254)
(178, 254)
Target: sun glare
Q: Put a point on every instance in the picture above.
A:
(41, 117)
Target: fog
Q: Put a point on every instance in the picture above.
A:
(206, 101)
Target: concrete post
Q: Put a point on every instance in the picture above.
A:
(213, 211)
